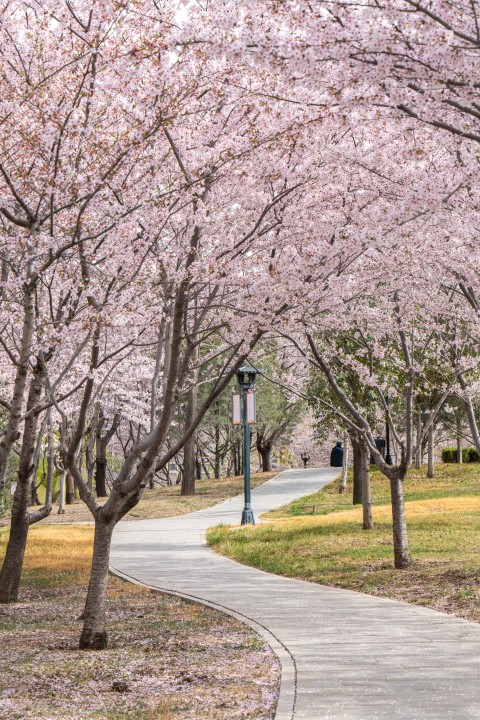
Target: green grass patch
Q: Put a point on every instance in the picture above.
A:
(451, 480)
(320, 538)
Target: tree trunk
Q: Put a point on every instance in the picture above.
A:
(150, 480)
(366, 494)
(50, 459)
(20, 521)
(189, 450)
(101, 471)
(218, 459)
(101, 445)
(188, 479)
(418, 454)
(94, 635)
(36, 461)
(237, 458)
(89, 445)
(343, 482)
(431, 466)
(70, 489)
(13, 562)
(400, 538)
(357, 471)
(459, 440)
(203, 464)
(10, 434)
(100, 476)
(61, 495)
(266, 456)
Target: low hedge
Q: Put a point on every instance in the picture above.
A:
(469, 455)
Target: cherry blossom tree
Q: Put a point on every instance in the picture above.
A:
(178, 181)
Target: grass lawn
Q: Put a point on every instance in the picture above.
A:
(165, 501)
(319, 538)
(178, 660)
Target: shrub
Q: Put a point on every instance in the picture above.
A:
(469, 455)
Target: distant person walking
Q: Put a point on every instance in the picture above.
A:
(305, 457)
(336, 456)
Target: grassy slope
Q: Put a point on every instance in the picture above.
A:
(319, 538)
(179, 660)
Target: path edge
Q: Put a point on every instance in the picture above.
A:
(287, 695)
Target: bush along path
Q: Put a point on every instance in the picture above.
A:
(344, 655)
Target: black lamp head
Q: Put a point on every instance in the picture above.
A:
(246, 376)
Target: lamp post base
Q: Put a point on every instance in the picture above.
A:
(248, 517)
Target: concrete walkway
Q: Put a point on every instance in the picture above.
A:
(344, 655)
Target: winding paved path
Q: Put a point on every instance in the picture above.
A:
(344, 655)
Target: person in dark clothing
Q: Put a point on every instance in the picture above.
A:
(305, 457)
(336, 456)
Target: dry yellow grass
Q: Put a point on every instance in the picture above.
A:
(57, 550)
(164, 501)
(418, 509)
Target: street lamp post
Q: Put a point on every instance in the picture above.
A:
(246, 380)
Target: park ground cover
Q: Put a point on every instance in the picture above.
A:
(320, 538)
(164, 501)
(186, 660)
(173, 659)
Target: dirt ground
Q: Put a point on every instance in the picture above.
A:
(167, 659)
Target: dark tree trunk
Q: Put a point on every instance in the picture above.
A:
(418, 454)
(202, 463)
(69, 489)
(150, 480)
(236, 464)
(101, 473)
(13, 562)
(459, 440)
(188, 479)
(11, 433)
(50, 461)
(343, 482)
(264, 449)
(241, 466)
(89, 458)
(100, 476)
(400, 537)
(431, 451)
(266, 455)
(12, 566)
(357, 471)
(101, 445)
(34, 500)
(366, 494)
(218, 459)
(189, 450)
(94, 635)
